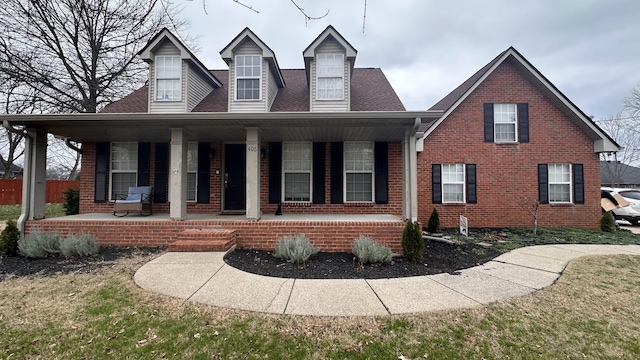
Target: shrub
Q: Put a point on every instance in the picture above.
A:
(9, 239)
(369, 251)
(39, 244)
(434, 222)
(72, 201)
(607, 223)
(295, 249)
(412, 242)
(79, 245)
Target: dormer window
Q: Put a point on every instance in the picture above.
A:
(330, 76)
(248, 75)
(168, 78)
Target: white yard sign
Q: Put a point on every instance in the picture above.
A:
(464, 226)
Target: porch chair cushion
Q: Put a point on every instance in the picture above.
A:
(138, 199)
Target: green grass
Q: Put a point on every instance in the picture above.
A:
(591, 312)
(12, 212)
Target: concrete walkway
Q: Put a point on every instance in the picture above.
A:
(205, 278)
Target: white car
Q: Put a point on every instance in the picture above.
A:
(629, 213)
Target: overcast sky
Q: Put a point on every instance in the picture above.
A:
(589, 49)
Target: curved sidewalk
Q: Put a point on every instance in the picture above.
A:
(206, 278)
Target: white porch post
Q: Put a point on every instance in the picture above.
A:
(38, 175)
(410, 175)
(178, 175)
(253, 173)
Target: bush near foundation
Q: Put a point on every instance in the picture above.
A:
(607, 223)
(369, 251)
(412, 242)
(295, 249)
(79, 245)
(9, 239)
(39, 244)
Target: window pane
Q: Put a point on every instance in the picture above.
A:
(297, 156)
(124, 156)
(453, 182)
(297, 186)
(359, 187)
(191, 186)
(330, 74)
(358, 156)
(168, 89)
(559, 193)
(505, 132)
(120, 183)
(248, 89)
(504, 118)
(452, 192)
(452, 173)
(192, 157)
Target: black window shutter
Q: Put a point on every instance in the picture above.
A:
(488, 122)
(336, 172)
(472, 195)
(144, 163)
(523, 122)
(381, 151)
(204, 168)
(319, 158)
(275, 172)
(543, 184)
(102, 172)
(161, 173)
(436, 183)
(578, 183)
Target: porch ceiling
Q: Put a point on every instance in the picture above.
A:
(150, 127)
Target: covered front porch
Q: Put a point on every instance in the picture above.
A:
(329, 232)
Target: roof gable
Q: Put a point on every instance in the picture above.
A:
(602, 141)
(329, 33)
(147, 53)
(267, 53)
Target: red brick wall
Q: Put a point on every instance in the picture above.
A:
(87, 205)
(507, 173)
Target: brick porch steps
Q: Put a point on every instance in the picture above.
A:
(200, 240)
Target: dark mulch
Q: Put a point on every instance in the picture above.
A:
(438, 258)
(19, 266)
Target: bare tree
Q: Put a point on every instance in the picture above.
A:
(632, 103)
(623, 128)
(79, 55)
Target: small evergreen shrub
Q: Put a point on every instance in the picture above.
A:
(72, 201)
(9, 239)
(607, 223)
(39, 244)
(412, 242)
(79, 245)
(434, 222)
(295, 249)
(369, 251)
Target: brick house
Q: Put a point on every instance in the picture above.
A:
(330, 144)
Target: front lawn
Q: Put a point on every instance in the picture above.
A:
(12, 212)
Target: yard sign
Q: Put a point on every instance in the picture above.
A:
(464, 226)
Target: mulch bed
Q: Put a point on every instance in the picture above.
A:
(438, 258)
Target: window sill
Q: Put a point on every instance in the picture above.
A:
(359, 204)
(454, 203)
(506, 142)
(296, 204)
(561, 204)
(168, 101)
(329, 99)
(248, 100)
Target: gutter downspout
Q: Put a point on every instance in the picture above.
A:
(26, 175)
(67, 142)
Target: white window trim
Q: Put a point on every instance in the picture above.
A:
(463, 183)
(179, 78)
(112, 171)
(505, 122)
(259, 78)
(310, 172)
(345, 172)
(570, 183)
(318, 78)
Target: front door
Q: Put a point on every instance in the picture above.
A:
(234, 177)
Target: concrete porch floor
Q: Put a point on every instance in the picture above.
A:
(222, 217)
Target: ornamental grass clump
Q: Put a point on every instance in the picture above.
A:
(295, 249)
(39, 244)
(369, 251)
(79, 245)
(9, 239)
(412, 242)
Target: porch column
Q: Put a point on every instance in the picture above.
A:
(38, 174)
(253, 173)
(178, 175)
(409, 176)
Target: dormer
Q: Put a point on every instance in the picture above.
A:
(254, 74)
(178, 81)
(329, 62)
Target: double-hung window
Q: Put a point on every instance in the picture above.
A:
(453, 182)
(330, 76)
(559, 183)
(168, 78)
(358, 167)
(505, 122)
(124, 168)
(192, 170)
(297, 157)
(248, 74)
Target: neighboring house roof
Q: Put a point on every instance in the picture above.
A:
(370, 91)
(14, 168)
(628, 175)
(602, 141)
(146, 53)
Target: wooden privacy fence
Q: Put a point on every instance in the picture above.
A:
(11, 190)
